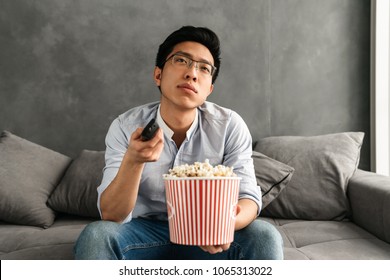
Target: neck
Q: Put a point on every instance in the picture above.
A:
(178, 121)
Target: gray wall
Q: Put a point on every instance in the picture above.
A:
(289, 67)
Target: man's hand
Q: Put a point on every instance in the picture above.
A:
(140, 151)
(213, 249)
(246, 212)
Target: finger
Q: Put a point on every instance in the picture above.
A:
(155, 145)
(145, 151)
(216, 249)
(158, 137)
(204, 249)
(136, 135)
(238, 209)
(225, 247)
(153, 142)
(212, 249)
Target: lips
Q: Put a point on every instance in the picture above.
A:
(188, 86)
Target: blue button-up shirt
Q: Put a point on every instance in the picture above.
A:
(217, 134)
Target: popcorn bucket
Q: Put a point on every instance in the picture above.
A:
(201, 211)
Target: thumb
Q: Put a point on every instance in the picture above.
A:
(238, 209)
(137, 133)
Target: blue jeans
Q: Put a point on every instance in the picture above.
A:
(142, 239)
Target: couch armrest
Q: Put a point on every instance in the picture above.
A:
(369, 195)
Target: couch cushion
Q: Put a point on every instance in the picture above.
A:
(28, 175)
(323, 165)
(20, 242)
(329, 240)
(271, 175)
(76, 194)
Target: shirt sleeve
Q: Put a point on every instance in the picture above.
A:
(116, 145)
(238, 154)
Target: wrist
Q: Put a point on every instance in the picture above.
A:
(130, 159)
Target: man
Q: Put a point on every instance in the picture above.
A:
(131, 196)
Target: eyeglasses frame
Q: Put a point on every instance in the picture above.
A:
(213, 68)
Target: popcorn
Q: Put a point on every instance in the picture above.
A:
(200, 169)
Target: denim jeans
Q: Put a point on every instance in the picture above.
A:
(142, 239)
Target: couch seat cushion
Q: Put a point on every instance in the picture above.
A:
(29, 242)
(329, 240)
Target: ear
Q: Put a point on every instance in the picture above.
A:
(211, 89)
(157, 75)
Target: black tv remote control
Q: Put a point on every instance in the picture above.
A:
(149, 130)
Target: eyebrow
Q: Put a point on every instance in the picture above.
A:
(192, 57)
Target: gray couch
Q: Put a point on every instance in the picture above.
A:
(313, 192)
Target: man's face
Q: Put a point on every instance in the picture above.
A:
(185, 87)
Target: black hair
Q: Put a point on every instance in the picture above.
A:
(201, 35)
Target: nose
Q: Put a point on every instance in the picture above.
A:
(192, 72)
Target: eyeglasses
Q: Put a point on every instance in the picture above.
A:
(180, 60)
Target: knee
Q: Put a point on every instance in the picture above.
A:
(268, 232)
(99, 230)
(264, 241)
(94, 237)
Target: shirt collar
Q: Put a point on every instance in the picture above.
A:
(193, 126)
(169, 132)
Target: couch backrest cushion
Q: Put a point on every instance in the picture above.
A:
(323, 165)
(28, 175)
(271, 175)
(77, 192)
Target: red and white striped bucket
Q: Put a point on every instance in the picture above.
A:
(202, 211)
